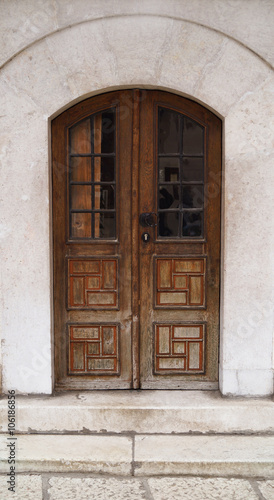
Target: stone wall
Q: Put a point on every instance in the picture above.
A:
(57, 52)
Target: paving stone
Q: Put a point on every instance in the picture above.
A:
(26, 488)
(95, 489)
(201, 489)
(267, 489)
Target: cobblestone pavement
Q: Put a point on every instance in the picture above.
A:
(81, 487)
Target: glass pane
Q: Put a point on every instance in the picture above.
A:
(80, 225)
(97, 134)
(104, 132)
(193, 137)
(81, 197)
(192, 224)
(96, 137)
(80, 138)
(169, 196)
(104, 225)
(168, 224)
(97, 169)
(107, 197)
(169, 169)
(80, 169)
(104, 197)
(193, 169)
(107, 173)
(169, 130)
(180, 175)
(193, 196)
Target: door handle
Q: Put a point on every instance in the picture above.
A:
(146, 219)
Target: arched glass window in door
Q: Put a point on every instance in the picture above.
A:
(180, 175)
(92, 179)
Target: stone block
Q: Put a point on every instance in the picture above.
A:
(95, 489)
(201, 488)
(49, 453)
(28, 487)
(141, 412)
(267, 489)
(207, 455)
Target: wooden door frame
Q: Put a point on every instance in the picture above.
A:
(135, 224)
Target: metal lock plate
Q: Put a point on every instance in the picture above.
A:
(146, 219)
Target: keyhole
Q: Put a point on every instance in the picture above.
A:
(145, 237)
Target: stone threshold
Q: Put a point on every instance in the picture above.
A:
(140, 412)
(143, 455)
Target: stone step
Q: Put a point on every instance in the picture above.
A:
(141, 433)
(140, 412)
(142, 455)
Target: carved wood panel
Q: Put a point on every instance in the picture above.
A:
(180, 283)
(179, 348)
(92, 283)
(94, 349)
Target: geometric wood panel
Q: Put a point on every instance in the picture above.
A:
(94, 349)
(179, 348)
(180, 283)
(92, 284)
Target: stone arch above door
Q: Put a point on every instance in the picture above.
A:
(152, 52)
(36, 24)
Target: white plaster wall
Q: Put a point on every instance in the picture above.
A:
(58, 52)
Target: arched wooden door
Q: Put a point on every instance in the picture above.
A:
(136, 237)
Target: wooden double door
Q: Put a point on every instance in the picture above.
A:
(136, 238)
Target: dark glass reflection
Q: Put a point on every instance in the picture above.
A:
(193, 196)
(193, 170)
(169, 169)
(107, 200)
(105, 222)
(169, 224)
(193, 137)
(108, 132)
(192, 224)
(169, 196)
(180, 175)
(169, 131)
(107, 169)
